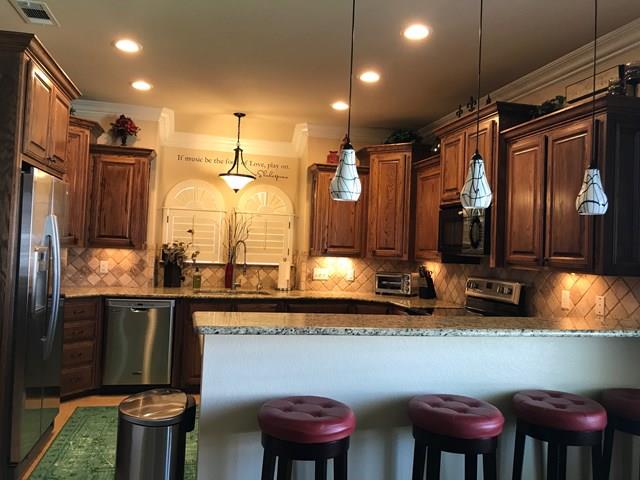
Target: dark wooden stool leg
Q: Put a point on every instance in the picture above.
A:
(562, 462)
(490, 466)
(284, 468)
(433, 464)
(518, 454)
(552, 461)
(340, 467)
(608, 452)
(596, 461)
(321, 470)
(419, 454)
(470, 467)
(268, 465)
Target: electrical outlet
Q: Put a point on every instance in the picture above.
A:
(104, 266)
(350, 276)
(566, 300)
(600, 306)
(320, 273)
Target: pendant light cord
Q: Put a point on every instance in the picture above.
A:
(238, 142)
(479, 76)
(594, 132)
(353, 28)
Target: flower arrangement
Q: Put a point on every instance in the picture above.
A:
(174, 256)
(123, 127)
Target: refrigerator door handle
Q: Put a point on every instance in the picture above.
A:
(51, 230)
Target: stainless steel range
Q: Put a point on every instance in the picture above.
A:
(488, 296)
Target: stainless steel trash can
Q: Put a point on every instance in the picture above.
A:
(152, 430)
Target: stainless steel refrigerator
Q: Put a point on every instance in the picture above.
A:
(38, 313)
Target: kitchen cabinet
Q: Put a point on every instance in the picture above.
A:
(337, 228)
(426, 190)
(46, 121)
(453, 162)
(389, 200)
(117, 211)
(546, 159)
(82, 133)
(81, 346)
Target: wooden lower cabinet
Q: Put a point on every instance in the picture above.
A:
(81, 346)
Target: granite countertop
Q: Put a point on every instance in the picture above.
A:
(236, 323)
(266, 295)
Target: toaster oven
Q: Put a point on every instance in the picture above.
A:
(397, 284)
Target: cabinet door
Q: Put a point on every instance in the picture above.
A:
(452, 166)
(427, 212)
(40, 91)
(58, 130)
(486, 147)
(345, 224)
(388, 200)
(525, 201)
(118, 210)
(77, 164)
(319, 211)
(568, 239)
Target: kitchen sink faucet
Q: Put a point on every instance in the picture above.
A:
(234, 285)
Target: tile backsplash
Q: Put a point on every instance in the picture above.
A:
(127, 268)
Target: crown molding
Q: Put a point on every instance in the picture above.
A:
(367, 135)
(612, 44)
(94, 107)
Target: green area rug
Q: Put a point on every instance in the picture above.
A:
(85, 448)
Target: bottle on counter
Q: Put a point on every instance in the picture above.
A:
(197, 279)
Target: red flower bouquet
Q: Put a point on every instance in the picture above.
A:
(123, 127)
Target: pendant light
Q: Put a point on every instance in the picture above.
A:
(476, 192)
(591, 199)
(233, 177)
(345, 185)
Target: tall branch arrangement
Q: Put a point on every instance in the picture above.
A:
(236, 229)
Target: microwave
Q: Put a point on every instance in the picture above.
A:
(464, 232)
(397, 284)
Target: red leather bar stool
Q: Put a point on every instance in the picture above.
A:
(305, 428)
(623, 414)
(560, 419)
(456, 424)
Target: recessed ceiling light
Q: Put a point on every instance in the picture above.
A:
(370, 76)
(127, 45)
(340, 105)
(141, 85)
(417, 31)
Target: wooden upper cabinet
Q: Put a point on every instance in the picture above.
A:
(82, 133)
(117, 211)
(452, 166)
(426, 187)
(568, 237)
(46, 122)
(486, 146)
(525, 164)
(337, 228)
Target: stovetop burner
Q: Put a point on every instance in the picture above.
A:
(488, 296)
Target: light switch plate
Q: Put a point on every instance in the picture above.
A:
(104, 266)
(350, 276)
(566, 300)
(600, 305)
(320, 273)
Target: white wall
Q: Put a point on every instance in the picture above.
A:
(377, 375)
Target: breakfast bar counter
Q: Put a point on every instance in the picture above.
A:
(376, 363)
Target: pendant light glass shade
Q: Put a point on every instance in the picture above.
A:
(345, 185)
(592, 200)
(233, 177)
(476, 192)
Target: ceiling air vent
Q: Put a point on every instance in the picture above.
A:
(38, 13)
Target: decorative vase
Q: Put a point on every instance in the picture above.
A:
(172, 275)
(228, 275)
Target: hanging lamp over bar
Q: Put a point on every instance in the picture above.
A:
(591, 199)
(345, 185)
(476, 191)
(233, 177)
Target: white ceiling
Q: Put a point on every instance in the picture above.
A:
(287, 60)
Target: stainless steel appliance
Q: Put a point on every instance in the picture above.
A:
(397, 283)
(38, 313)
(464, 232)
(492, 297)
(138, 342)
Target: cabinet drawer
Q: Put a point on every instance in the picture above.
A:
(77, 354)
(85, 330)
(81, 310)
(76, 379)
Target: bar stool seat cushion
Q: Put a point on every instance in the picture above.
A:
(623, 402)
(559, 410)
(306, 419)
(456, 416)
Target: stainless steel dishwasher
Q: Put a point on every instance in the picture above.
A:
(138, 342)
